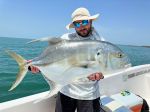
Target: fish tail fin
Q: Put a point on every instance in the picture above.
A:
(22, 68)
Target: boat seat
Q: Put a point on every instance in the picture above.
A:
(111, 105)
(124, 101)
(129, 100)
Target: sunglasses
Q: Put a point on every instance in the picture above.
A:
(83, 22)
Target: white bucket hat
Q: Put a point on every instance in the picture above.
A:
(81, 14)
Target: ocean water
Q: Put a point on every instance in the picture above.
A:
(32, 83)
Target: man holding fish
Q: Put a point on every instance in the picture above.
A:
(82, 95)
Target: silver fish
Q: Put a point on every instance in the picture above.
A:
(65, 61)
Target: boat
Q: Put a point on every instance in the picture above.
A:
(135, 79)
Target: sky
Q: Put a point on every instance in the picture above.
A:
(121, 21)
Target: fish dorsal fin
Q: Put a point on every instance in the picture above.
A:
(50, 40)
(53, 41)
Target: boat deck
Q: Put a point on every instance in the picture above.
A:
(135, 79)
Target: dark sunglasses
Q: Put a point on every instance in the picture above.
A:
(83, 22)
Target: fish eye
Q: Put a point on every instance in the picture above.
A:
(98, 53)
(120, 55)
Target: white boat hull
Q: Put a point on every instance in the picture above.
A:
(135, 79)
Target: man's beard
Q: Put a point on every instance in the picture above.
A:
(88, 33)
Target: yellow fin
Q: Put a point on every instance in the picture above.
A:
(22, 68)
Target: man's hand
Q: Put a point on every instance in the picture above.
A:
(33, 69)
(96, 76)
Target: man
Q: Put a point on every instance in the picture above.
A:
(83, 95)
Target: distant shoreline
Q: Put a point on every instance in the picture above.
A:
(137, 45)
(146, 46)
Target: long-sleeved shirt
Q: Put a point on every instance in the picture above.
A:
(83, 89)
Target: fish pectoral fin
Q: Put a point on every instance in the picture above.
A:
(86, 64)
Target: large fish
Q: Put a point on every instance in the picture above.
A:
(65, 61)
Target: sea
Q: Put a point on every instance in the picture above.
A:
(35, 83)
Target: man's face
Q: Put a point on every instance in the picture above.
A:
(83, 27)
